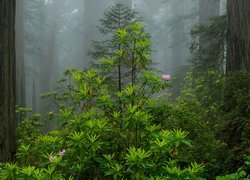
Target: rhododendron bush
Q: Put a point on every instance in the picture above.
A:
(104, 129)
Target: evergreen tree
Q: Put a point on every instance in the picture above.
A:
(115, 17)
(210, 54)
(126, 64)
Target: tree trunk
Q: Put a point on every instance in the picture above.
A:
(236, 133)
(7, 80)
(238, 42)
(179, 52)
(20, 68)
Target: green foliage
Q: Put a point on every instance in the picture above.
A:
(112, 126)
(96, 140)
(237, 114)
(242, 173)
(104, 133)
(197, 111)
(29, 125)
(127, 49)
(115, 17)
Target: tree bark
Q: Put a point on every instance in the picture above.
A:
(7, 80)
(238, 41)
(236, 133)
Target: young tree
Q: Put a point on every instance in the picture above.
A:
(20, 65)
(118, 16)
(7, 80)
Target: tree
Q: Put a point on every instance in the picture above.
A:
(20, 69)
(7, 80)
(179, 52)
(118, 16)
(178, 35)
(238, 42)
(237, 96)
(30, 50)
(208, 44)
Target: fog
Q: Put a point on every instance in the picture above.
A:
(54, 34)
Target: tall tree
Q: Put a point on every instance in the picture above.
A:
(238, 42)
(30, 40)
(179, 52)
(117, 16)
(237, 96)
(210, 41)
(7, 80)
(178, 35)
(20, 69)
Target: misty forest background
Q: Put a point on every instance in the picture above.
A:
(183, 114)
(52, 35)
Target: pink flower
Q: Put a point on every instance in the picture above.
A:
(62, 153)
(52, 158)
(166, 77)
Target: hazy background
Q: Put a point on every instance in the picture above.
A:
(54, 34)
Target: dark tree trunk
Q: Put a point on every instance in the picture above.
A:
(238, 42)
(7, 80)
(236, 133)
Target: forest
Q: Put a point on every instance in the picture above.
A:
(124, 89)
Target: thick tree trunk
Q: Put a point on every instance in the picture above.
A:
(7, 80)
(238, 42)
(236, 133)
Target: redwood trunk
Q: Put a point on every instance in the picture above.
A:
(238, 51)
(7, 80)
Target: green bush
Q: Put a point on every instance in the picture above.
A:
(198, 111)
(106, 133)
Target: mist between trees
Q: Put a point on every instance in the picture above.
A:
(132, 89)
(52, 35)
